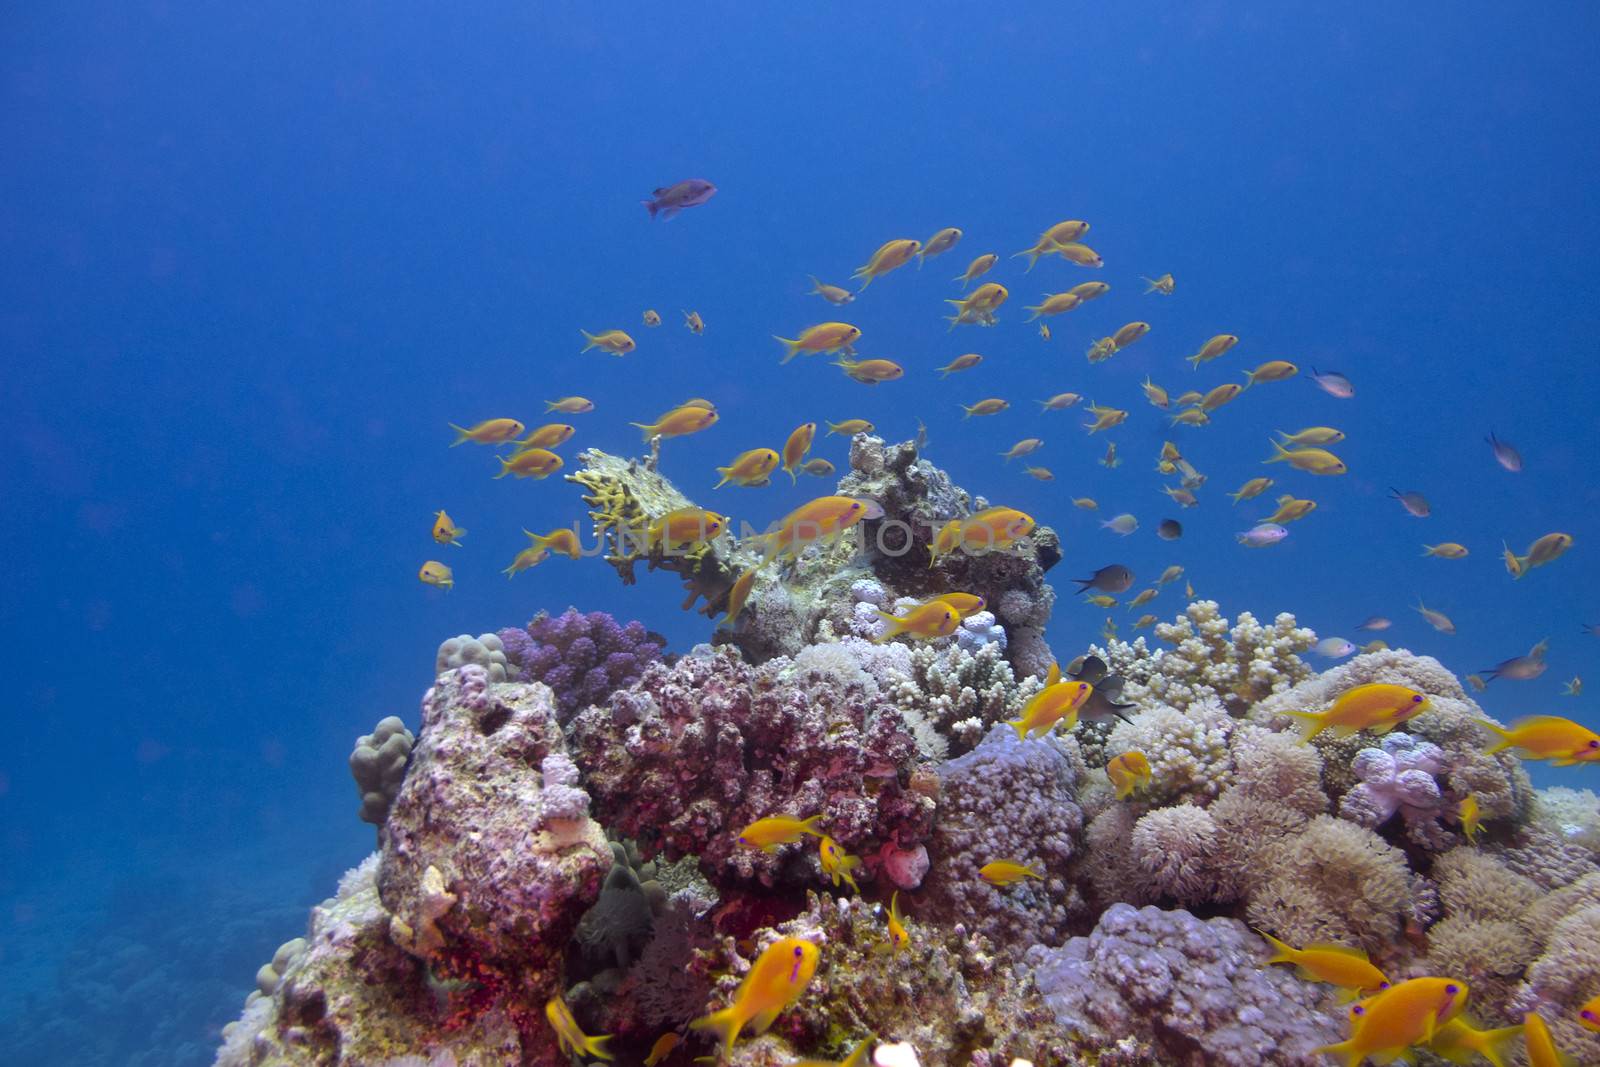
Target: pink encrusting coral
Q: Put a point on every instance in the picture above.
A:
(690, 754)
(582, 657)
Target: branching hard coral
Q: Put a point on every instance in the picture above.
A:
(1173, 850)
(1238, 664)
(378, 765)
(1187, 749)
(1333, 881)
(960, 693)
(1197, 991)
(690, 754)
(582, 657)
(1012, 800)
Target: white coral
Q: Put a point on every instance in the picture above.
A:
(1188, 751)
(1238, 664)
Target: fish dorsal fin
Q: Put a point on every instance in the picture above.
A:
(1054, 674)
(1537, 720)
(1343, 950)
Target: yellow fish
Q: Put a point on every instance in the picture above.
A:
(1391, 1021)
(528, 558)
(569, 405)
(684, 528)
(824, 337)
(1378, 707)
(926, 622)
(573, 1041)
(1042, 474)
(819, 467)
(662, 1048)
(678, 422)
(535, 463)
(1546, 549)
(1219, 396)
(1101, 350)
(1273, 370)
(938, 244)
(563, 541)
(1348, 968)
(1006, 872)
(1105, 419)
(1589, 1014)
(775, 982)
(960, 363)
(1026, 446)
(1081, 254)
(1189, 396)
(739, 593)
(1571, 689)
(1312, 436)
(831, 293)
(822, 519)
(850, 427)
(549, 435)
(1459, 1041)
(991, 406)
(435, 573)
(1470, 817)
(1540, 737)
(445, 531)
(652, 317)
(1445, 550)
(1144, 597)
(1192, 417)
(488, 432)
(1155, 394)
(1310, 460)
(979, 305)
(870, 371)
(1212, 349)
(965, 605)
(1182, 497)
(899, 940)
(750, 468)
(890, 255)
(1290, 509)
(614, 341)
(796, 447)
(1087, 291)
(1101, 600)
(767, 834)
(693, 322)
(1252, 489)
(1171, 574)
(1053, 304)
(1542, 1051)
(977, 269)
(1163, 285)
(1144, 622)
(1128, 772)
(836, 862)
(1044, 331)
(1070, 230)
(1060, 401)
(1128, 334)
(989, 529)
(1052, 704)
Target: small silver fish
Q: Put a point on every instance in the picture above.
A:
(1267, 533)
(1334, 648)
(1333, 383)
(1517, 669)
(1376, 622)
(1573, 688)
(1504, 454)
(1415, 503)
(1123, 524)
(1437, 619)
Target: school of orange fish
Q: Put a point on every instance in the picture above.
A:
(1385, 1019)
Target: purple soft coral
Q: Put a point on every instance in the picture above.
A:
(582, 657)
(1397, 777)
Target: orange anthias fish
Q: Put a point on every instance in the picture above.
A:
(532, 463)
(992, 528)
(899, 940)
(1550, 737)
(488, 432)
(1542, 1051)
(1006, 872)
(549, 435)
(1589, 1014)
(796, 447)
(614, 341)
(684, 528)
(870, 371)
(857, 1057)
(1376, 707)
(445, 530)
(751, 469)
(686, 419)
(563, 542)
(1460, 1041)
(822, 519)
(836, 862)
(739, 594)
(890, 255)
(1347, 968)
(569, 1036)
(823, 337)
(767, 834)
(977, 268)
(926, 622)
(1128, 771)
(965, 604)
(776, 981)
(1054, 703)
(1411, 1013)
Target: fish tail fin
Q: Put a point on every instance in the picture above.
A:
(964, 280)
(816, 285)
(1505, 741)
(1149, 286)
(461, 435)
(1194, 360)
(589, 337)
(726, 1024)
(894, 628)
(1278, 453)
(1497, 1043)
(809, 825)
(1310, 724)
(1035, 314)
(1347, 1049)
(1019, 725)
(726, 473)
(793, 477)
(596, 1046)
(1249, 379)
(505, 467)
(1282, 953)
(460, 532)
(792, 348)
(648, 428)
(650, 206)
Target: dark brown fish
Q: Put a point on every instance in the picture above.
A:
(671, 199)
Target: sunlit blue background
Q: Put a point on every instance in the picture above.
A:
(253, 261)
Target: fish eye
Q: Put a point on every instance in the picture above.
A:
(1358, 1010)
(797, 952)
(1417, 699)
(1452, 989)
(1594, 744)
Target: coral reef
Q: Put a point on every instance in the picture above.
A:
(1189, 991)
(378, 764)
(582, 657)
(485, 651)
(691, 753)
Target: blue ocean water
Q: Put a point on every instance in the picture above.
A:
(252, 262)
